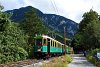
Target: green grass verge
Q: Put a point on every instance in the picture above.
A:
(61, 61)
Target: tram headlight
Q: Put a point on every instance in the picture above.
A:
(39, 50)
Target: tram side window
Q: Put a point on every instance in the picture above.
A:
(55, 44)
(39, 42)
(62, 46)
(44, 42)
(51, 43)
(58, 45)
(48, 40)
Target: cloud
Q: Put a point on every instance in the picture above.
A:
(11, 4)
(72, 9)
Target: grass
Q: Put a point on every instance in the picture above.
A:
(61, 61)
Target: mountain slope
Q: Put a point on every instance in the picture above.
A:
(54, 22)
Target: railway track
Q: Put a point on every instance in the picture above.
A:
(19, 64)
(27, 63)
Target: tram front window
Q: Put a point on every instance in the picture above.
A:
(39, 42)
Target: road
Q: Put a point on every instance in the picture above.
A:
(80, 61)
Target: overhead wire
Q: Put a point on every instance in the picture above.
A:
(54, 6)
(56, 11)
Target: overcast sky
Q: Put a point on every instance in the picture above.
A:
(72, 9)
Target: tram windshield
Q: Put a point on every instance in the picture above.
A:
(39, 42)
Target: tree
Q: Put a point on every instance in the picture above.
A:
(32, 24)
(88, 17)
(13, 42)
(97, 34)
(88, 28)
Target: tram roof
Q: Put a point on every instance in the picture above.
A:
(44, 36)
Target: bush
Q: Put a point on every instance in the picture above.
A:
(22, 53)
(12, 53)
(13, 40)
(91, 58)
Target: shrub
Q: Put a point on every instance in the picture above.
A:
(12, 53)
(91, 58)
(22, 53)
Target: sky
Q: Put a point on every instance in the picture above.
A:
(72, 9)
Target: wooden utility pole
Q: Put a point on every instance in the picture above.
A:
(65, 39)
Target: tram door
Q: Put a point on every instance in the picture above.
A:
(48, 45)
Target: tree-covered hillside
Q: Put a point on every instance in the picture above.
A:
(54, 22)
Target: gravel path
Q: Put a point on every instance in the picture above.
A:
(80, 61)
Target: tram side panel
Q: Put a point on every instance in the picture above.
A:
(55, 48)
